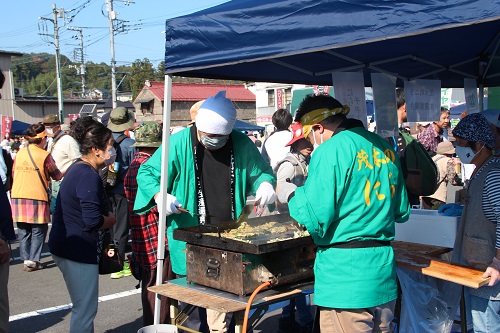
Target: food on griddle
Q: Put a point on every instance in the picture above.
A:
(269, 232)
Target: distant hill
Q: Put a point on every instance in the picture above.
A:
(35, 73)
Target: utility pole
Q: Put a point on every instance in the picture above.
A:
(58, 13)
(82, 60)
(111, 18)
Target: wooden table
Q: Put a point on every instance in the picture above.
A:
(417, 257)
(221, 301)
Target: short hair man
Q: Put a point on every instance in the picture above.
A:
(354, 193)
(144, 228)
(202, 158)
(120, 120)
(274, 148)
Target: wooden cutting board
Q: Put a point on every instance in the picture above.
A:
(421, 258)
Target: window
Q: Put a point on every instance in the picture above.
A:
(147, 108)
(270, 97)
(288, 96)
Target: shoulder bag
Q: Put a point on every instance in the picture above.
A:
(49, 194)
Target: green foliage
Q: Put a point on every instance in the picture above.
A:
(35, 73)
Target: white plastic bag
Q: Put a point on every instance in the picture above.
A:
(428, 304)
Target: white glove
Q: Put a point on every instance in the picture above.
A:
(172, 203)
(284, 192)
(266, 195)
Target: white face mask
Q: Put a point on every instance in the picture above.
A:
(316, 145)
(465, 154)
(49, 131)
(112, 157)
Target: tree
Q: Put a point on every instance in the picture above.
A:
(142, 70)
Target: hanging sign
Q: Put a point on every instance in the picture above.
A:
(470, 90)
(6, 125)
(423, 100)
(384, 100)
(349, 89)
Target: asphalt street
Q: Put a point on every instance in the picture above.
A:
(39, 301)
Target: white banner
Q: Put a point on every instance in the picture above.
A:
(349, 89)
(384, 100)
(470, 90)
(423, 100)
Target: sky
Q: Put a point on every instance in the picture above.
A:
(21, 26)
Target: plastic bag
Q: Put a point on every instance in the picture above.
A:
(428, 304)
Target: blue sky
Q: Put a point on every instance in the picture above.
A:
(145, 21)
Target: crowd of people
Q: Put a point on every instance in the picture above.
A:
(345, 184)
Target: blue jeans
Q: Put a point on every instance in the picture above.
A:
(303, 315)
(485, 315)
(31, 239)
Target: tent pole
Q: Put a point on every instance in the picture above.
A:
(481, 97)
(162, 221)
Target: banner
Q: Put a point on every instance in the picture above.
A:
(279, 98)
(446, 97)
(73, 116)
(423, 100)
(470, 90)
(6, 126)
(349, 89)
(384, 100)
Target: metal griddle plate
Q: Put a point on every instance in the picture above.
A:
(198, 235)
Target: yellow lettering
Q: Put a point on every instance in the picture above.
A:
(363, 158)
(379, 161)
(390, 154)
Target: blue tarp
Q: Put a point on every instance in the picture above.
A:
(305, 41)
(19, 127)
(243, 126)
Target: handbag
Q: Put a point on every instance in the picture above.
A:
(110, 261)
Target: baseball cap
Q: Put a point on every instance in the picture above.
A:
(298, 134)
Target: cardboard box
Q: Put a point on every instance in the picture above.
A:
(428, 227)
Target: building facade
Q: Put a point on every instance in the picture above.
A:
(149, 102)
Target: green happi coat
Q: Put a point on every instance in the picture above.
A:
(355, 191)
(250, 171)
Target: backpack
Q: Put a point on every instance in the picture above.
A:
(104, 171)
(421, 173)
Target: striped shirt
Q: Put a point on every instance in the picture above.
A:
(491, 198)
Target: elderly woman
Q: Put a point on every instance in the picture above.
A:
(32, 169)
(478, 240)
(81, 211)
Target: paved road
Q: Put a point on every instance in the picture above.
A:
(39, 302)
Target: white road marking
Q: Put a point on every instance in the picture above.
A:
(68, 306)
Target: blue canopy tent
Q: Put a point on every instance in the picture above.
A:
(244, 126)
(19, 127)
(305, 41)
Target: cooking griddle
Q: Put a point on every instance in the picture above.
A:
(208, 236)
